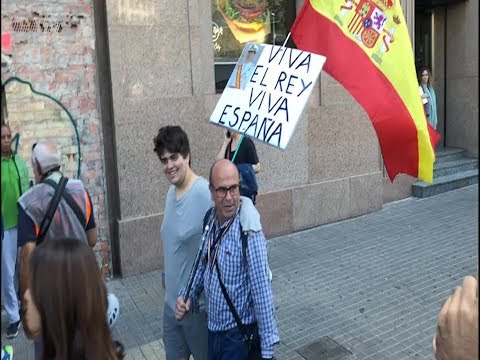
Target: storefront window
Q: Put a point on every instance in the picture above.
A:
(236, 22)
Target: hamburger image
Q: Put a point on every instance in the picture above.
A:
(247, 15)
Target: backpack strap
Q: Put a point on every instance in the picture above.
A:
(243, 234)
(71, 202)
(234, 312)
(52, 208)
(206, 218)
(205, 229)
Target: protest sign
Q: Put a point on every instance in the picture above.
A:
(267, 92)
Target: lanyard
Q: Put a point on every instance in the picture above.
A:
(236, 149)
(216, 244)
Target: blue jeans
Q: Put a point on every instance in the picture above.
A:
(226, 345)
(9, 275)
(38, 348)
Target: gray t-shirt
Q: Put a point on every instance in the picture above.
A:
(181, 235)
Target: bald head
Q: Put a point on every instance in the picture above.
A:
(46, 156)
(222, 166)
(225, 189)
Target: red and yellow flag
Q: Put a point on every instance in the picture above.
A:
(368, 51)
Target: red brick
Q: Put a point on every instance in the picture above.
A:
(62, 65)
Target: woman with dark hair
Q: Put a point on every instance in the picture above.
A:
(428, 96)
(66, 304)
(246, 160)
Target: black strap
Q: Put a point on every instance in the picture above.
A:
(71, 202)
(206, 218)
(240, 325)
(18, 173)
(244, 237)
(243, 234)
(52, 208)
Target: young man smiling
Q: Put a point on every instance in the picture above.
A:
(187, 201)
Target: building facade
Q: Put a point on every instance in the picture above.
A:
(144, 64)
(52, 49)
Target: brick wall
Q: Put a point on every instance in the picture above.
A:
(32, 117)
(53, 48)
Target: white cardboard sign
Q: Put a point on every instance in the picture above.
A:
(267, 92)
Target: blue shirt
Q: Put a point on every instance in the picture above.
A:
(247, 284)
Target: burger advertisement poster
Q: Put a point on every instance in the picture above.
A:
(236, 22)
(267, 92)
(247, 15)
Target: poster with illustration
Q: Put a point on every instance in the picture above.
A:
(236, 22)
(267, 92)
(248, 20)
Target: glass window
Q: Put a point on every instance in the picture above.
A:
(236, 22)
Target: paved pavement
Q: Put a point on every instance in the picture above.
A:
(373, 284)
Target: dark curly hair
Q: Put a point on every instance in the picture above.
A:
(172, 139)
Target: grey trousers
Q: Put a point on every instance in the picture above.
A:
(186, 337)
(9, 274)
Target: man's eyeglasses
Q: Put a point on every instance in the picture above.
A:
(222, 191)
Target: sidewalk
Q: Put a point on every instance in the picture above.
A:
(373, 284)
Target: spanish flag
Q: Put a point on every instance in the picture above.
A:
(368, 51)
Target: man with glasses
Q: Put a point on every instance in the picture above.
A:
(74, 215)
(233, 272)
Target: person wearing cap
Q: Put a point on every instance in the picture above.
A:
(14, 184)
(244, 71)
(33, 206)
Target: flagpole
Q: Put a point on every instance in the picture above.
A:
(243, 135)
(288, 37)
(193, 271)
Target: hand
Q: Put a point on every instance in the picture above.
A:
(32, 323)
(457, 327)
(182, 308)
(226, 139)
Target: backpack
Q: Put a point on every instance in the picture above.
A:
(53, 205)
(248, 181)
(243, 234)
